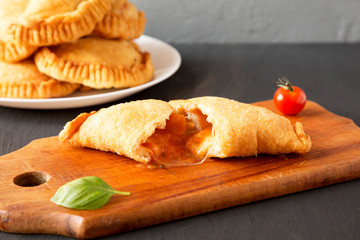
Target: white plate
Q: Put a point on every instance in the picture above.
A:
(166, 61)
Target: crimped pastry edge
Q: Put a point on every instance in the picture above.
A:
(119, 26)
(62, 27)
(11, 52)
(45, 89)
(94, 75)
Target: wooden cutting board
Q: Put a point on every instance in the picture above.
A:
(161, 195)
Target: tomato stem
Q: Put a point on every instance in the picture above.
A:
(285, 83)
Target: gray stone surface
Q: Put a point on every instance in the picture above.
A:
(252, 21)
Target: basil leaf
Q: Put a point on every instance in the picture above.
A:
(85, 193)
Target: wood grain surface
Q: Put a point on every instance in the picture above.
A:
(161, 195)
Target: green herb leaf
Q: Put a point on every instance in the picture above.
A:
(85, 193)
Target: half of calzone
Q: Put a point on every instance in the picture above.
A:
(184, 132)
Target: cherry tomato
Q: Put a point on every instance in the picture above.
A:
(288, 99)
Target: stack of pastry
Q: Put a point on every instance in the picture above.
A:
(53, 48)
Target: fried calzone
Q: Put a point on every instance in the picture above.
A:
(183, 132)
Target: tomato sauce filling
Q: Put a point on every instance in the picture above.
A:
(183, 142)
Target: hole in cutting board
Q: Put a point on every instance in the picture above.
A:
(31, 179)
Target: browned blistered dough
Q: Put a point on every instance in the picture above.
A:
(121, 128)
(97, 63)
(10, 51)
(238, 129)
(241, 130)
(45, 22)
(122, 21)
(23, 80)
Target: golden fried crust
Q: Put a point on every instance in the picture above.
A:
(23, 80)
(122, 21)
(121, 128)
(46, 22)
(13, 52)
(97, 63)
(241, 130)
(10, 51)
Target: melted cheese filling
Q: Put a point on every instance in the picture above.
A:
(184, 141)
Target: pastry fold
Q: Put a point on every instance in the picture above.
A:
(97, 63)
(46, 22)
(123, 21)
(12, 52)
(216, 127)
(241, 130)
(9, 50)
(120, 128)
(23, 80)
